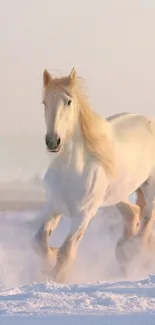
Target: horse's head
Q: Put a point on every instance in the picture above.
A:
(68, 113)
(60, 109)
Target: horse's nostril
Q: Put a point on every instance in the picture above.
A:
(58, 142)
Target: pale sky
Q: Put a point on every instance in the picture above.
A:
(110, 42)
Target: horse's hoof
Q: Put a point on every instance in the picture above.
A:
(59, 274)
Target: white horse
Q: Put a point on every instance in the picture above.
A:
(94, 163)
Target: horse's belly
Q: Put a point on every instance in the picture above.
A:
(129, 179)
(120, 191)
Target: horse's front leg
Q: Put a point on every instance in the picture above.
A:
(67, 251)
(48, 220)
(43, 234)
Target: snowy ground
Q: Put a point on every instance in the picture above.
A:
(96, 292)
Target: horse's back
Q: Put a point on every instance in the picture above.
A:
(133, 125)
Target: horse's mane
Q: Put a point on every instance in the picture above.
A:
(95, 130)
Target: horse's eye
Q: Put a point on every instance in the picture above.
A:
(69, 102)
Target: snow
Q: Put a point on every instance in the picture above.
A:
(88, 299)
(96, 291)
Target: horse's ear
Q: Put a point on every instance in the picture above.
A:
(72, 75)
(46, 78)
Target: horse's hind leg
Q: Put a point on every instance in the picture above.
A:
(146, 232)
(131, 214)
(140, 201)
(148, 212)
(131, 218)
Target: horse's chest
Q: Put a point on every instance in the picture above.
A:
(71, 187)
(71, 190)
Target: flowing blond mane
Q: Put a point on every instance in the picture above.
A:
(95, 130)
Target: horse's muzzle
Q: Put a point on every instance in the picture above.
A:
(53, 142)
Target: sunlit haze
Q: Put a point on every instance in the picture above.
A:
(111, 43)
